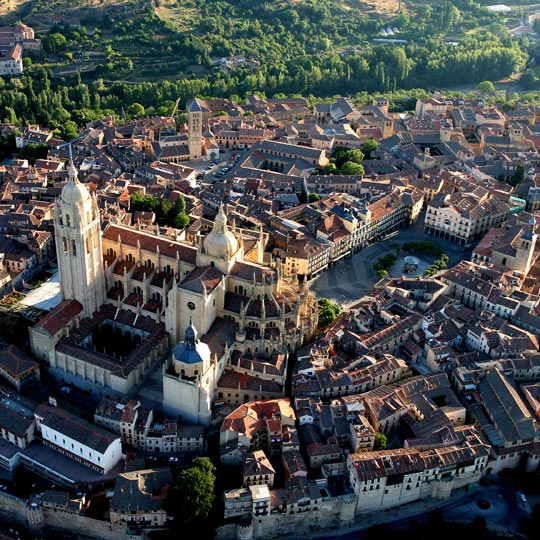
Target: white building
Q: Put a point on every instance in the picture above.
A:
(78, 439)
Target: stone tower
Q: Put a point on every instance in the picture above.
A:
(189, 381)
(78, 244)
(194, 110)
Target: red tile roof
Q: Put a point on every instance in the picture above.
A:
(60, 316)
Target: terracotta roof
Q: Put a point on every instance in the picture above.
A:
(60, 316)
(150, 242)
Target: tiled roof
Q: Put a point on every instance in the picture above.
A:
(15, 361)
(150, 242)
(60, 316)
(202, 279)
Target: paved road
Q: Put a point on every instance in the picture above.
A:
(352, 278)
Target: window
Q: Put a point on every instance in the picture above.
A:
(73, 248)
(68, 220)
(65, 245)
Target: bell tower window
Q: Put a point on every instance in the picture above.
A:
(65, 244)
(68, 220)
(73, 248)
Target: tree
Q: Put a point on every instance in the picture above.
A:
(342, 155)
(179, 205)
(181, 221)
(518, 176)
(191, 497)
(486, 87)
(369, 146)
(331, 168)
(135, 110)
(69, 130)
(350, 168)
(381, 441)
(313, 197)
(328, 311)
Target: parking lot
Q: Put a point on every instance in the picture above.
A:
(210, 171)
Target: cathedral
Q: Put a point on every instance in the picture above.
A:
(131, 294)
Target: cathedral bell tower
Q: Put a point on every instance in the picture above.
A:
(77, 234)
(195, 119)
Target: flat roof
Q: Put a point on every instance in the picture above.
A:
(46, 296)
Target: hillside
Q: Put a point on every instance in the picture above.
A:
(115, 53)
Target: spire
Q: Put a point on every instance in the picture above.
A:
(72, 171)
(190, 336)
(220, 222)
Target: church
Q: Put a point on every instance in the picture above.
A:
(131, 293)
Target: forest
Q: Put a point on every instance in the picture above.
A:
(317, 48)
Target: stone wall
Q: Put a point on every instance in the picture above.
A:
(93, 528)
(332, 514)
(15, 509)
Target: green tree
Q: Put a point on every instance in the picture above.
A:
(192, 496)
(331, 168)
(69, 130)
(351, 168)
(179, 205)
(313, 197)
(328, 311)
(518, 176)
(369, 146)
(181, 221)
(381, 441)
(486, 87)
(135, 110)
(342, 155)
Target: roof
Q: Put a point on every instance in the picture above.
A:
(76, 428)
(141, 491)
(15, 362)
(506, 408)
(60, 316)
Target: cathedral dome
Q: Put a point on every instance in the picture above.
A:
(221, 242)
(191, 350)
(74, 191)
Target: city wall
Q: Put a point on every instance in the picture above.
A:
(15, 509)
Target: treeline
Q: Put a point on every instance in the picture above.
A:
(66, 104)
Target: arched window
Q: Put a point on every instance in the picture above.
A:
(73, 248)
(68, 220)
(65, 244)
